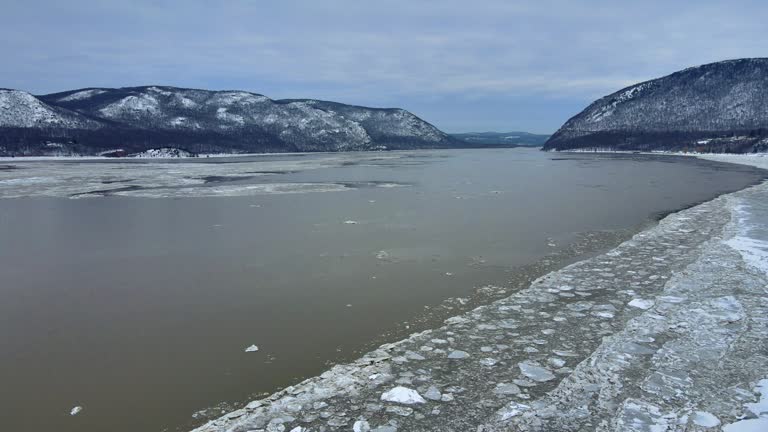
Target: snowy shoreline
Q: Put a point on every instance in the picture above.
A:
(667, 333)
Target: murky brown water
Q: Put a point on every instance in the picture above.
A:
(139, 307)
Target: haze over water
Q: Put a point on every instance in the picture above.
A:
(137, 299)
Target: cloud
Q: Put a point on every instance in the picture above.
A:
(395, 53)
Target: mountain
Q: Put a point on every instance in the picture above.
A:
(718, 107)
(136, 119)
(502, 139)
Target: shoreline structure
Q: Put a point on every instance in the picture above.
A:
(666, 332)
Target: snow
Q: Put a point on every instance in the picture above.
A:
(21, 109)
(83, 94)
(223, 115)
(458, 355)
(705, 419)
(252, 348)
(641, 303)
(361, 426)
(513, 409)
(751, 425)
(754, 251)
(759, 409)
(143, 104)
(403, 395)
(535, 372)
(162, 153)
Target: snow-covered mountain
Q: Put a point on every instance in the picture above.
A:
(20, 109)
(715, 107)
(94, 120)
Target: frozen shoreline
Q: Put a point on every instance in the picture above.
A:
(665, 332)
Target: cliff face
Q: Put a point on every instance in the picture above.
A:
(718, 107)
(95, 120)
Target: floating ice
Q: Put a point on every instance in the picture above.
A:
(432, 393)
(556, 362)
(506, 389)
(403, 395)
(641, 303)
(705, 419)
(488, 361)
(457, 354)
(535, 372)
(350, 222)
(252, 348)
(361, 426)
(75, 411)
(760, 408)
(751, 425)
(512, 409)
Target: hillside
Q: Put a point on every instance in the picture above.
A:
(718, 107)
(136, 119)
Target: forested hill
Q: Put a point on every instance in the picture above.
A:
(134, 119)
(718, 107)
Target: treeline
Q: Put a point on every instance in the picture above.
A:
(745, 141)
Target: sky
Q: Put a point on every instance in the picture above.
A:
(482, 65)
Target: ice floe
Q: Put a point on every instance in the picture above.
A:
(536, 372)
(402, 395)
(641, 303)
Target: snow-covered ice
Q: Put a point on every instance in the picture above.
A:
(251, 348)
(644, 304)
(402, 395)
(705, 419)
(535, 372)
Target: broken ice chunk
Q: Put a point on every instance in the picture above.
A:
(535, 372)
(506, 389)
(511, 410)
(641, 303)
(488, 361)
(403, 395)
(76, 410)
(361, 426)
(458, 355)
(433, 393)
(705, 419)
(252, 348)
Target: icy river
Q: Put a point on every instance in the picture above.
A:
(158, 295)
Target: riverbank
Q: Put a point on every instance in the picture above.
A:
(666, 331)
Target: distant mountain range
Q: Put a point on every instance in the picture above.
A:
(502, 139)
(718, 107)
(118, 121)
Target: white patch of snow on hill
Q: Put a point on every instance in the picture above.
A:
(185, 101)
(131, 105)
(84, 94)
(223, 115)
(160, 91)
(179, 121)
(21, 109)
(236, 97)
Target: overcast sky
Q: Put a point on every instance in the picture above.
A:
(462, 65)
